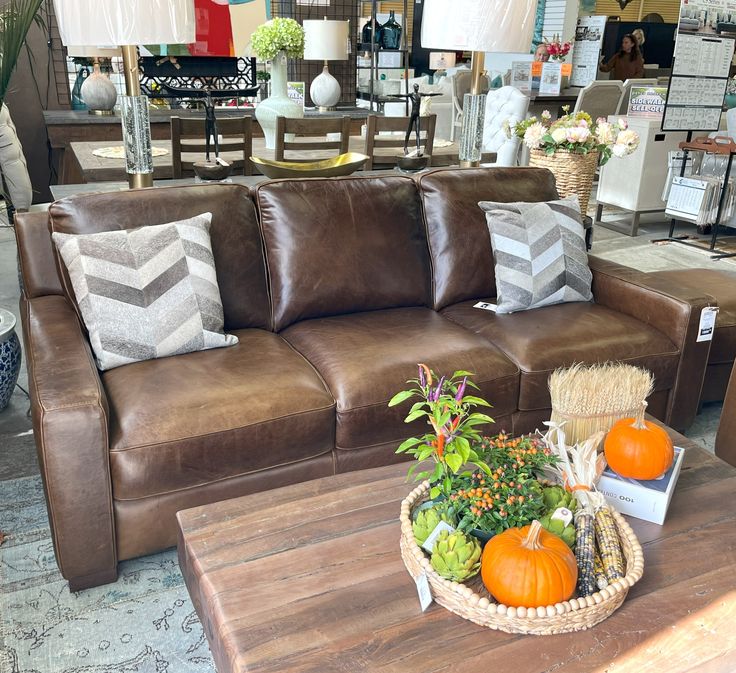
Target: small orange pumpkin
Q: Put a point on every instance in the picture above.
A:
(638, 449)
(528, 567)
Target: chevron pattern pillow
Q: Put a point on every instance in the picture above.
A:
(540, 254)
(146, 293)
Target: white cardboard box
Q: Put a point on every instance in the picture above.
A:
(646, 500)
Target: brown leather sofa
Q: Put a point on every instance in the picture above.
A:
(720, 284)
(335, 289)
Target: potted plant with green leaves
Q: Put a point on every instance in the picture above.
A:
(448, 409)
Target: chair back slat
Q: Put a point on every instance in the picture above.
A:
(316, 128)
(187, 137)
(374, 141)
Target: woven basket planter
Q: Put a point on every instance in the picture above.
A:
(574, 173)
(472, 602)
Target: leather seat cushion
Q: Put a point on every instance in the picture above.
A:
(193, 419)
(366, 358)
(721, 284)
(542, 339)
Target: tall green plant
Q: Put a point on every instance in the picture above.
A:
(16, 18)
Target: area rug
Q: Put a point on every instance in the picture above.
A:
(143, 623)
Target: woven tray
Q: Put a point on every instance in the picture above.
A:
(471, 600)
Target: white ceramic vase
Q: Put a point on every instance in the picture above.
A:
(278, 104)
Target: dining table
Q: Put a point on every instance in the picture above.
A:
(87, 166)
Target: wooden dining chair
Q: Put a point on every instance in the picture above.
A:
(237, 136)
(311, 127)
(374, 140)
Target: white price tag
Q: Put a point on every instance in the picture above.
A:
(428, 545)
(707, 323)
(221, 161)
(562, 514)
(486, 306)
(425, 593)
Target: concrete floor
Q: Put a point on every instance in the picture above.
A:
(17, 449)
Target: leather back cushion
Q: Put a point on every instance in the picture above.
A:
(236, 241)
(343, 245)
(459, 243)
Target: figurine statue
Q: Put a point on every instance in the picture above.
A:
(416, 104)
(207, 95)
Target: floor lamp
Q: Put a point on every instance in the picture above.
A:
(128, 23)
(478, 26)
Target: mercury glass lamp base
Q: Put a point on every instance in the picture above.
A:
(471, 135)
(137, 140)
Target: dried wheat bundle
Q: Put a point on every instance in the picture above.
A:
(591, 398)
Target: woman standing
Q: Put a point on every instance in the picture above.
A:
(626, 63)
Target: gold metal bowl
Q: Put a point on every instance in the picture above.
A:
(343, 164)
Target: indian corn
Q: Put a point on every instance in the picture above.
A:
(609, 544)
(600, 574)
(585, 552)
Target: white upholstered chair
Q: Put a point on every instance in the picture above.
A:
(506, 104)
(13, 164)
(600, 99)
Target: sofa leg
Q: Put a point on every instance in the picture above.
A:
(94, 580)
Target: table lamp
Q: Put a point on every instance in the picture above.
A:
(478, 26)
(98, 92)
(325, 41)
(128, 23)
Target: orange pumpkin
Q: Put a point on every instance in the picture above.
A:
(638, 449)
(528, 567)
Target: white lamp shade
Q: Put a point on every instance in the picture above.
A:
(479, 25)
(441, 60)
(92, 52)
(125, 22)
(325, 40)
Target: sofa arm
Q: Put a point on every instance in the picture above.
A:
(674, 311)
(70, 425)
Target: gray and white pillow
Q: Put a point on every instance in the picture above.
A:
(146, 293)
(540, 254)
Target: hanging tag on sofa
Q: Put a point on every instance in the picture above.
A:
(429, 542)
(424, 591)
(486, 306)
(707, 323)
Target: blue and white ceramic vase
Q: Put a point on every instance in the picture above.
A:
(9, 357)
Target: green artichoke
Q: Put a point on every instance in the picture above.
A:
(427, 520)
(456, 556)
(556, 496)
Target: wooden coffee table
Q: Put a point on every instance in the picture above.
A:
(309, 579)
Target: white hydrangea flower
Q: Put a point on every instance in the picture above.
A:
(533, 135)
